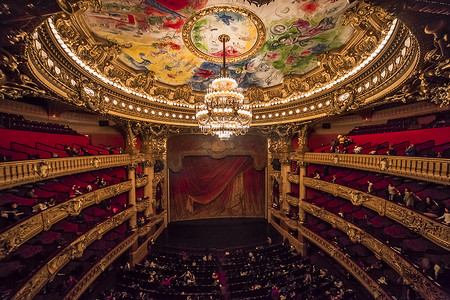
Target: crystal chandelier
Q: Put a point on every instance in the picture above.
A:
(224, 113)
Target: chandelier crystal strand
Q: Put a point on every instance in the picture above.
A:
(224, 111)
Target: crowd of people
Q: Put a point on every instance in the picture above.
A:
(427, 206)
(13, 212)
(263, 272)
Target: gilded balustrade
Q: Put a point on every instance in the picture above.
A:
(12, 238)
(434, 231)
(72, 251)
(26, 171)
(99, 267)
(143, 230)
(424, 286)
(345, 261)
(141, 181)
(342, 258)
(292, 200)
(293, 178)
(421, 168)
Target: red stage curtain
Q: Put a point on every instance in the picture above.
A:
(211, 188)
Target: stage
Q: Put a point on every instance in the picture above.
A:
(217, 233)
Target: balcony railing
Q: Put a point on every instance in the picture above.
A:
(293, 178)
(141, 181)
(12, 238)
(421, 168)
(21, 172)
(434, 231)
(345, 261)
(99, 267)
(424, 286)
(72, 251)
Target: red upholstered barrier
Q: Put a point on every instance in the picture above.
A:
(30, 138)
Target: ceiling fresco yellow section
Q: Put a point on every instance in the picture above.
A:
(150, 31)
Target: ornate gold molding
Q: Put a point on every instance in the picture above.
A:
(72, 251)
(138, 94)
(294, 178)
(345, 261)
(12, 238)
(99, 267)
(421, 283)
(20, 172)
(342, 258)
(141, 181)
(294, 201)
(259, 26)
(421, 168)
(434, 231)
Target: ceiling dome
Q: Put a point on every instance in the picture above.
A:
(153, 60)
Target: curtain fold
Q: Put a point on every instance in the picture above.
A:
(210, 188)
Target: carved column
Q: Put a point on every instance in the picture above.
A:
(286, 186)
(132, 193)
(148, 192)
(302, 191)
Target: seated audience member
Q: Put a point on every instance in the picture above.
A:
(13, 213)
(411, 150)
(84, 151)
(31, 194)
(316, 175)
(40, 207)
(392, 191)
(333, 180)
(369, 187)
(445, 217)
(341, 139)
(102, 183)
(51, 202)
(88, 188)
(68, 151)
(409, 198)
(74, 151)
(96, 181)
(428, 207)
(391, 151)
(75, 191)
(357, 149)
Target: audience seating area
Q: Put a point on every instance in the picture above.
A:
(358, 179)
(428, 141)
(36, 252)
(441, 119)
(377, 269)
(262, 272)
(39, 143)
(21, 202)
(17, 122)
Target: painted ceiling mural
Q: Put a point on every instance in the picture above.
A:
(296, 31)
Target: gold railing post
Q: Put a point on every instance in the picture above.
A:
(132, 193)
(149, 172)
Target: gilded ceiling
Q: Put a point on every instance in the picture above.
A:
(177, 40)
(152, 60)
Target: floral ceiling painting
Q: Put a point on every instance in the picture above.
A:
(151, 32)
